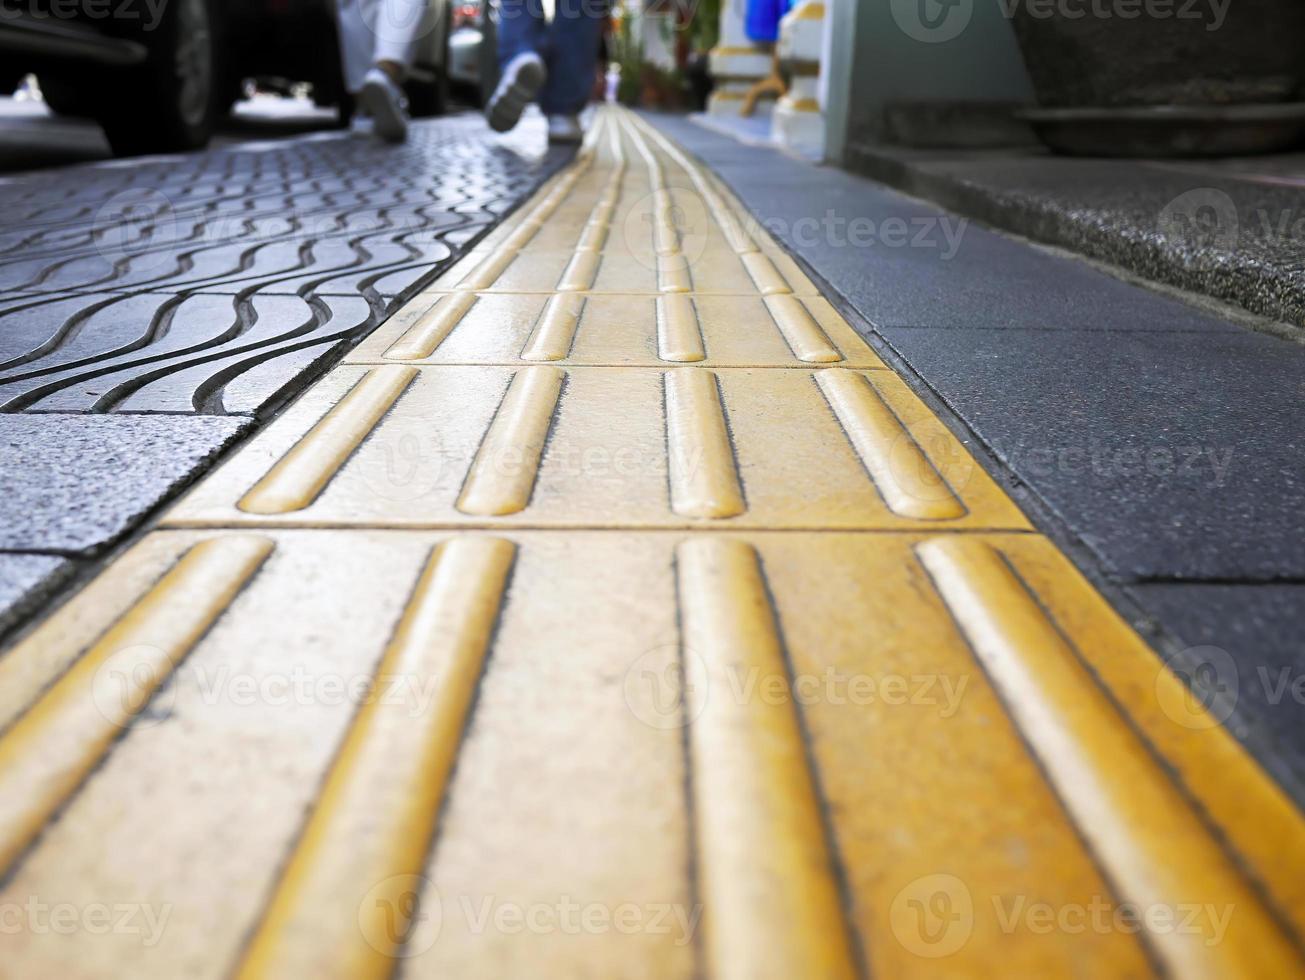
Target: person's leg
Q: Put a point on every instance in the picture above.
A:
(391, 28)
(573, 55)
(398, 24)
(521, 35)
(521, 29)
(356, 42)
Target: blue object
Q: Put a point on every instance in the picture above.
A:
(569, 46)
(761, 19)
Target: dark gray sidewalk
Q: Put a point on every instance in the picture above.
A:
(1161, 445)
(154, 311)
(1230, 229)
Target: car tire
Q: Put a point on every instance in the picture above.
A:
(174, 101)
(64, 97)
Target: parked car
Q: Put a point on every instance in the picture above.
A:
(160, 77)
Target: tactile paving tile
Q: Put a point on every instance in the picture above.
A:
(163, 286)
(604, 447)
(927, 718)
(556, 637)
(469, 327)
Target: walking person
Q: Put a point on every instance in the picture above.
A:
(377, 40)
(552, 62)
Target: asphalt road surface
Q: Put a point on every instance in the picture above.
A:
(32, 137)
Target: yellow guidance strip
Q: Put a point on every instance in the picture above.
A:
(347, 899)
(673, 273)
(502, 476)
(771, 906)
(51, 749)
(424, 337)
(672, 265)
(804, 336)
(555, 331)
(490, 268)
(704, 478)
(908, 482)
(578, 276)
(679, 335)
(1149, 840)
(302, 473)
(764, 274)
(580, 272)
(735, 235)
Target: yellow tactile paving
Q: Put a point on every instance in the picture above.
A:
(617, 331)
(600, 447)
(653, 630)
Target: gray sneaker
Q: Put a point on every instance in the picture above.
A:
(522, 79)
(383, 100)
(565, 128)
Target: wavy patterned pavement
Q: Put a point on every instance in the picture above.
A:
(189, 296)
(209, 283)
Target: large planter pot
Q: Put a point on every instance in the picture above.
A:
(1165, 77)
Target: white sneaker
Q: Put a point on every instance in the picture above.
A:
(564, 129)
(383, 100)
(522, 79)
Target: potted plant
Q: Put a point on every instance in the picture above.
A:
(1164, 77)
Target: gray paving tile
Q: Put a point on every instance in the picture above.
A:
(25, 582)
(75, 483)
(1228, 228)
(1172, 455)
(1243, 652)
(904, 262)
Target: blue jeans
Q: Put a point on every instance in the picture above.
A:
(568, 45)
